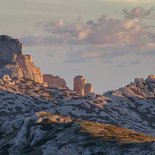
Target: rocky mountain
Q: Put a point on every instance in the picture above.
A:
(37, 119)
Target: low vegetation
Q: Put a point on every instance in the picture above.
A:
(114, 133)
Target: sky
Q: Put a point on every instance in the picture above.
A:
(109, 42)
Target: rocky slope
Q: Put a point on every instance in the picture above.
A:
(22, 132)
(50, 134)
(75, 122)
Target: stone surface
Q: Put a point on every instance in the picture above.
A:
(14, 71)
(132, 107)
(6, 78)
(14, 63)
(79, 84)
(54, 81)
(88, 89)
(29, 70)
(151, 77)
(9, 49)
(81, 87)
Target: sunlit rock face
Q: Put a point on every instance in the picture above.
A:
(81, 87)
(54, 81)
(88, 89)
(9, 49)
(29, 70)
(79, 84)
(14, 63)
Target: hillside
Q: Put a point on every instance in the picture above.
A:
(46, 134)
(43, 116)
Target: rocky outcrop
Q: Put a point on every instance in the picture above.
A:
(6, 80)
(14, 63)
(151, 77)
(79, 84)
(81, 87)
(54, 81)
(29, 70)
(17, 65)
(14, 71)
(88, 89)
(9, 49)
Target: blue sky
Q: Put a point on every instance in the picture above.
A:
(110, 42)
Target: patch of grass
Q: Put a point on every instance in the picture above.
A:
(113, 133)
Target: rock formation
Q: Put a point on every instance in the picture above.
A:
(54, 81)
(29, 70)
(14, 63)
(79, 84)
(9, 49)
(88, 89)
(151, 77)
(81, 87)
(7, 80)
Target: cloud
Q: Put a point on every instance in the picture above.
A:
(104, 38)
(132, 1)
(138, 12)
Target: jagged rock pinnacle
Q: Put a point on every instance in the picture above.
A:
(81, 87)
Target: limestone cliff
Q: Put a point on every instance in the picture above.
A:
(14, 63)
(54, 81)
(29, 70)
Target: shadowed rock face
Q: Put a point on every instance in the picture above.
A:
(9, 49)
